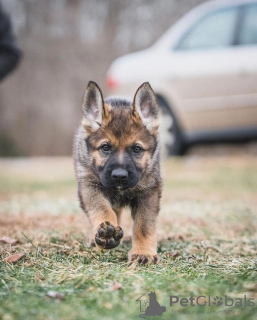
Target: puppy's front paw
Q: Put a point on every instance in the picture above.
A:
(108, 236)
(142, 258)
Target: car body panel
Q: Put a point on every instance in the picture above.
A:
(208, 90)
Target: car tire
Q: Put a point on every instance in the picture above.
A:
(171, 135)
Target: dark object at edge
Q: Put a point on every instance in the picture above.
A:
(10, 54)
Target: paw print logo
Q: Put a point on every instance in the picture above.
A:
(218, 301)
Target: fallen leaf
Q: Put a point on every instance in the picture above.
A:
(8, 240)
(39, 277)
(55, 295)
(175, 254)
(172, 255)
(117, 286)
(14, 258)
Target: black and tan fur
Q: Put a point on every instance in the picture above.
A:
(116, 153)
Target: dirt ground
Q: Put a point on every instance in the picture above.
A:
(207, 242)
(203, 197)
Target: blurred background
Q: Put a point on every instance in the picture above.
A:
(202, 65)
(66, 43)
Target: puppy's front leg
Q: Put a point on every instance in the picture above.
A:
(144, 239)
(106, 232)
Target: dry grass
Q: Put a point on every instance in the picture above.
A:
(207, 241)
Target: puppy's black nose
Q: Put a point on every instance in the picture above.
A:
(119, 175)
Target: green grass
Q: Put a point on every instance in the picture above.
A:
(85, 278)
(208, 246)
(12, 185)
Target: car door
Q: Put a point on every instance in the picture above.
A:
(245, 101)
(207, 72)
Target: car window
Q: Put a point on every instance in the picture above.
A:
(248, 32)
(216, 30)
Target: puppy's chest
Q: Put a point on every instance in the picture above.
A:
(121, 198)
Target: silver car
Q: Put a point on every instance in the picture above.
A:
(204, 73)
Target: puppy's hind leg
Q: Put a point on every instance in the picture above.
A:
(144, 240)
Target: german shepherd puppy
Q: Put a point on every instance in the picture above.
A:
(117, 164)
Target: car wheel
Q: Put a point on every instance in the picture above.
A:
(171, 136)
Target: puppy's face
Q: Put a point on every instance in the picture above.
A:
(121, 137)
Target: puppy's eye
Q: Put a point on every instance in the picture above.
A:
(105, 147)
(136, 149)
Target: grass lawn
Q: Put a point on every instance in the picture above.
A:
(207, 244)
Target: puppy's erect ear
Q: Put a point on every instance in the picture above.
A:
(146, 106)
(93, 107)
